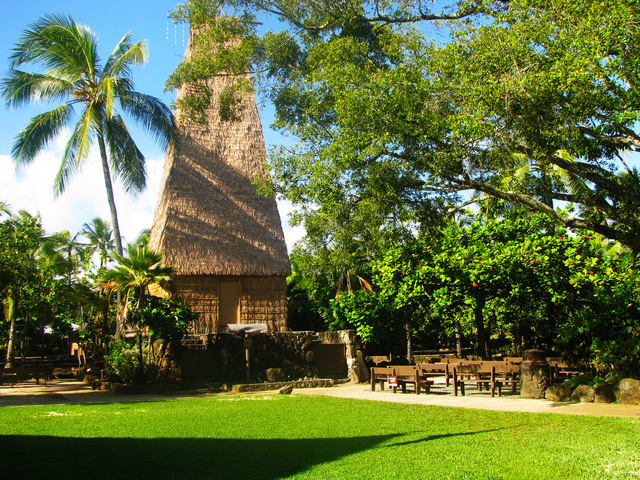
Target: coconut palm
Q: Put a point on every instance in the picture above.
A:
(65, 57)
(100, 237)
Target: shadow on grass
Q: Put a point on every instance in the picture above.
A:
(49, 457)
(438, 437)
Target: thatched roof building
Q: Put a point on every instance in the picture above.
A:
(224, 240)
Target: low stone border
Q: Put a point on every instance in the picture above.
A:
(262, 387)
(120, 388)
(97, 384)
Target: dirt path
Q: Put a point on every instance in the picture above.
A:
(70, 392)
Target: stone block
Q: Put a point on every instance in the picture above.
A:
(534, 379)
(286, 390)
(276, 375)
(627, 391)
(557, 393)
(604, 394)
(584, 394)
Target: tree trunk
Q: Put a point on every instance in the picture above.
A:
(114, 217)
(482, 338)
(141, 358)
(458, 333)
(23, 340)
(11, 313)
(110, 198)
(409, 345)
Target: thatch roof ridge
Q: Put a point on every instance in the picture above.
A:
(209, 218)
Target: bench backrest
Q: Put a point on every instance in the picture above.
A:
(434, 367)
(404, 370)
(506, 368)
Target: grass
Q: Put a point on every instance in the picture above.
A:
(309, 437)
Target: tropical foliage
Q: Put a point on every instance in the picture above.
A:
(517, 279)
(404, 113)
(52, 297)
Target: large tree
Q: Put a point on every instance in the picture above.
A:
(397, 104)
(66, 66)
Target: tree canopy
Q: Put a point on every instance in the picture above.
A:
(406, 109)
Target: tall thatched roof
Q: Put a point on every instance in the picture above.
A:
(209, 219)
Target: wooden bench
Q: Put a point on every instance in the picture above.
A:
(561, 370)
(19, 374)
(491, 376)
(379, 375)
(404, 374)
(504, 374)
(411, 374)
(8, 375)
(473, 373)
(439, 369)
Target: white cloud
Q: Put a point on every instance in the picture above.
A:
(30, 188)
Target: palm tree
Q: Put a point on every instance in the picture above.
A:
(136, 274)
(100, 237)
(67, 56)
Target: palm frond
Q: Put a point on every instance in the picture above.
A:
(152, 115)
(20, 88)
(574, 183)
(76, 151)
(126, 55)
(39, 132)
(126, 160)
(57, 43)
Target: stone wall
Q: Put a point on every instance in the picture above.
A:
(273, 356)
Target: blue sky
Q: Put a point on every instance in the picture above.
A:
(30, 188)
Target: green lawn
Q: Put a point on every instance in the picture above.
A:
(309, 437)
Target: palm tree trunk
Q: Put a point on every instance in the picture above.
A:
(10, 311)
(114, 216)
(407, 331)
(110, 198)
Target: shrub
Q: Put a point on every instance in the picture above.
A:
(123, 360)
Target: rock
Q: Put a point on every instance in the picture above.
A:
(286, 390)
(557, 393)
(358, 371)
(627, 391)
(276, 375)
(604, 394)
(309, 357)
(583, 393)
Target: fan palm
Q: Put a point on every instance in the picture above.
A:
(66, 55)
(135, 274)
